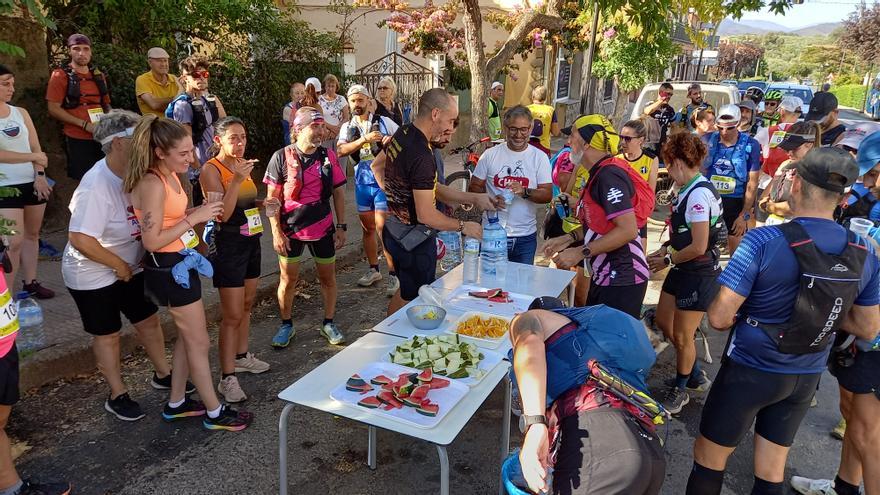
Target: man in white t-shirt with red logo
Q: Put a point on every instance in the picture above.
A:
(522, 172)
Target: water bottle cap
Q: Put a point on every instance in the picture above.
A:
(21, 295)
(493, 219)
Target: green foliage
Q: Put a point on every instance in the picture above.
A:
(850, 95)
(800, 57)
(861, 32)
(633, 63)
(458, 75)
(24, 8)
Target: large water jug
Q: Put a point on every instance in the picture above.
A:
(450, 250)
(493, 254)
(30, 322)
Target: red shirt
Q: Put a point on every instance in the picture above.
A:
(90, 98)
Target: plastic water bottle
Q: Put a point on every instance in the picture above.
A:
(493, 254)
(451, 251)
(471, 260)
(30, 321)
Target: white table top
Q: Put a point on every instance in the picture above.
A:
(313, 390)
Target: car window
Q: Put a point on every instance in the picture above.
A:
(803, 94)
(715, 97)
(744, 85)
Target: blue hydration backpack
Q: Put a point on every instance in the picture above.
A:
(199, 120)
(741, 151)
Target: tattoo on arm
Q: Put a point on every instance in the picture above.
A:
(524, 325)
(148, 221)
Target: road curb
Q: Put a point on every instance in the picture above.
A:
(70, 360)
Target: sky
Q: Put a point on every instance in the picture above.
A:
(809, 13)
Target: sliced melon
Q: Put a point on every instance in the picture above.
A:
(370, 402)
(429, 410)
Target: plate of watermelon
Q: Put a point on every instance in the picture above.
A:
(418, 398)
(496, 300)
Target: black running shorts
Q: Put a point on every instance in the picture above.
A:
(626, 298)
(237, 259)
(160, 287)
(741, 395)
(9, 393)
(26, 196)
(414, 268)
(732, 208)
(99, 309)
(862, 377)
(692, 291)
(82, 154)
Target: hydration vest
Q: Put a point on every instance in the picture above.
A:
(860, 209)
(828, 287)
(680, 235)
(199, 120)
(592, 214)
(74, 93)
(738, 159)
(354, 133)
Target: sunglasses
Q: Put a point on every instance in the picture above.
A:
(627, 139)
(200, 74)
(384, 87)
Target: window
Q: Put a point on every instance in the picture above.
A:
(608, 91)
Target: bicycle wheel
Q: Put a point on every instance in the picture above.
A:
(458, 180)
(663, 191)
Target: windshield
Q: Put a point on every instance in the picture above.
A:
(803, 94)
(679, 99)
(744, 85)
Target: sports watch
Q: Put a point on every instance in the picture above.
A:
(342, 226)
(526, 421)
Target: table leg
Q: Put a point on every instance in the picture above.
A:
(371, 447)
(444, 470)
(505, 427)
(571, 292)
(282, 449)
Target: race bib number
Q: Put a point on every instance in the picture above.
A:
(724, 185)
(8, 315)
(776, 138)
(254, 224)
(367, 152)
(95, 114)
(189, 239)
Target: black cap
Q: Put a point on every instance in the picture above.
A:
(792, 141)
(818, 165)
(546, 302)
(823, 104)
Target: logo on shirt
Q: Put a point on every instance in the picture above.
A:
(133, 225)
(839, 268)
(698, 208)
(13, 130)
(614, 195)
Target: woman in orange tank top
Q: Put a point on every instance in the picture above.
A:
(160, 150)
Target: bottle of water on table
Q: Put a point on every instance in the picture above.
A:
(493, 254)
(471, 260)
(451, 253)
(30, 322)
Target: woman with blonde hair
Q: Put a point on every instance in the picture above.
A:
(335, 109)
(160, 150)
(385, 104)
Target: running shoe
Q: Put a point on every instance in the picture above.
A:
(283, 336)
(332, 333)
(231, 390)
(250, 364)
(165, 383)
(839, 430)
(188, 409)
(812, 487)
(229, 420)
(37, 290)
(814, 402)
(30, 487)
(48, 251)
(372, 276)
(699, 383)
(675, 400)
(124, 408)
(393, 285)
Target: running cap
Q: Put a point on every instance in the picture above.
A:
(307, 116)
(597, 131)
(315, 83)
(869, 153)
(823, 103)
(78, 39)
(853, 136)
(820, 163)
(791, 141)
(497, 84)
(546, 302)
(358, 89)
(748, 104)
(792, 104)
(728, 116)
(157, 52)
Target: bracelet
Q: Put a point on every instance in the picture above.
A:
(574, 236)
(185, 219)
(84, 125)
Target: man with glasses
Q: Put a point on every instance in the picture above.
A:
(773, 156)
(771, 114)
(156, 88)
(733, 165)
(662, 111)
(524, 170)
(695, 103)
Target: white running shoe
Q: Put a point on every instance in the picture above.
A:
(393, 286)
(369, 278)
(231, 390)
(812, 487)
(250, 364)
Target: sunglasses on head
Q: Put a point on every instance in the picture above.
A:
(200, 74)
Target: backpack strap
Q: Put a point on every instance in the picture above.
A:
(73, 92)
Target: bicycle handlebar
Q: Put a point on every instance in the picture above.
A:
(470, 147)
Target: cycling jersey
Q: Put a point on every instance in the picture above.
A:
(642, 165)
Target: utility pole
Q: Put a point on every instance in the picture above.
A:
(588, 103)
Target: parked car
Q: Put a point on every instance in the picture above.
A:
(872, 105)
(729, 82)
(802, 91)
(743, 86)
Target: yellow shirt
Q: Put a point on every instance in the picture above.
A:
(642, 164)
(544, 114)
(146, 83)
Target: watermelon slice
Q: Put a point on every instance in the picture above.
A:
(361, 389)
(437, 382)
(420, 392)
(389, 399)
(355, 381)
(411, 402)
(426, 375)
(370, 402)
(501, 297)
(428, 409)
(404, 391)
(485, 294)
(380, 380)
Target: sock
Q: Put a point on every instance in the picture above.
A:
(241, 356)
(175, 405)
(392, 273)
(225, 375)
(215, 413)
(704, 481)
(326, 321)
(288, 321)
(695, 371)
(764, 487)
(681, 380)
(845, 488)
(12, 490)
(374, 267)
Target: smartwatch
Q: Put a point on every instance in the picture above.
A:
(526, 421)
(41, 173)
(526, 193)
(668, 259)
(342, 226)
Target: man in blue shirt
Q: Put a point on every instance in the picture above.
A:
(758, 382)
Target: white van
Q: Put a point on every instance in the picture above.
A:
(715, 94)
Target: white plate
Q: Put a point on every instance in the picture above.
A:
(460, 299)
(446, 398)
(487, 364)
(482, 342)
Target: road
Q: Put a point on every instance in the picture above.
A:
(849, 115)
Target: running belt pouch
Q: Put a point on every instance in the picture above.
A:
(828, 287)
(552, 224)
(408, 236)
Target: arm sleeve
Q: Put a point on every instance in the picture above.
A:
(182, 112)
(755, 156)
(744, 265)
(613, 190)
(424, 172)
(89, 212)
(870, 294)
(57, 87)
(275, 170)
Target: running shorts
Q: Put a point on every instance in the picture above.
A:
(9, 392)
(692, 291)
(160, 287)
(100, 308)
(732, 209)
(26, 196)
(626, 298)
(370, 198)
(323, 250)
(237, 259)
(82, 154)
(414, 268)
(862, 377)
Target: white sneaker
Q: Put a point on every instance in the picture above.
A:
(812, 487)
(250, 364)
(393, 286)
(231, 390)
(369, 278)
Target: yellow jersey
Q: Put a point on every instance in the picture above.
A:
(642, 165)
(544, 116)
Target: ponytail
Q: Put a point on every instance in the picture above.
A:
(150, 134)
(220, 128)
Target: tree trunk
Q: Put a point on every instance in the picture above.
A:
(472, 19)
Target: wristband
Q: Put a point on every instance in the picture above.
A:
(574, 236)
(185, 219)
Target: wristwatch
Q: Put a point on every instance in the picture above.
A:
(746, 216)
(526, 193)
(586, 251)
(342, 226)
(41, 173)
(526, 421)
(668, 259)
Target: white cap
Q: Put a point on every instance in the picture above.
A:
(791, 104)
(497, 84)
(358, 89)
(729, 114)
(853, 136)
(315, 83)
(157, 52)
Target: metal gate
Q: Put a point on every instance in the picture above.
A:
(412, 80)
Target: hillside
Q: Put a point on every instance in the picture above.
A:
(730, 27)
(823, 29)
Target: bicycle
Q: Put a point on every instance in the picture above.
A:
(460, 179)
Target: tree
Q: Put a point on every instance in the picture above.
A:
(737, 58)
(25, 9)
(861, 33)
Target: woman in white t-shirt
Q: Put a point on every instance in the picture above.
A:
(101, 265)
(335, 108)
(23, 168)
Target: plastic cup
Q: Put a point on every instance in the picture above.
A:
(213, 197)
(860, 226)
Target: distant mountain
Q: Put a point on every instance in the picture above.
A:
(730, 27)
(823, 29)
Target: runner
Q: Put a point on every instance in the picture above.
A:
(160, 150)
(22, 168)
(335, 109)
(522, 169)
(236, 259)
(773, 156)
(824, 110)
(297, 93)
(778, 349)
(607, 211)
(496, 105)
(362, 137)
(156, 88)
(693, 256)
(695, 104)
(544, 123)
(101, 266)
(594, 442)
(565, 180)
(800, 138)
(633, 135)
(733, 166)
(76, 96)
(662, 112)
(304, 176)
(385, 104)
(704, 122)
(862, 199)
(748, 123)
(771, 114)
